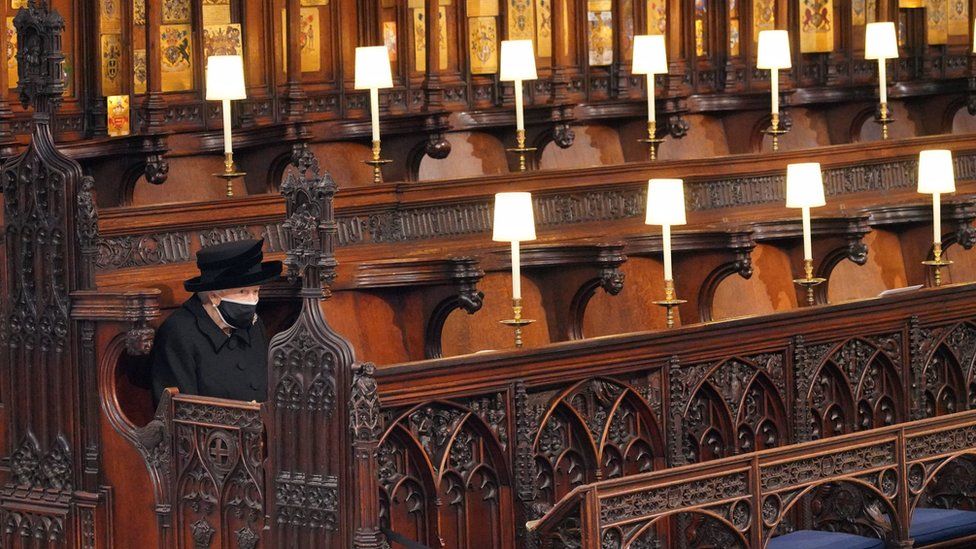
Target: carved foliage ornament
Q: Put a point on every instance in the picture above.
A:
(32, 469)
(364, 410)
(311, 502)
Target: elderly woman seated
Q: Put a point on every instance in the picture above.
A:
(215, 345)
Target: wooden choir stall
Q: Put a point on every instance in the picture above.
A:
(572, 296)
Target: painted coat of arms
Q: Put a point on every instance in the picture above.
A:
(484, 45)
(816, 16)
(177, 68)
(601, 38)
(222, 40)
(176, 11)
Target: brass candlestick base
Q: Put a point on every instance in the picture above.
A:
(517, 322)
(884, 119)
(652, 140)
(230, 173)
(669, 302)
(809, 281)
(937, 263)
(520, 149)
(775, 131)
(377, 163)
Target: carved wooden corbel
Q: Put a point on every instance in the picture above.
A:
(677, 126)
(610, 279)
(966, 235)
(436, 145)
(740, 265)
(156, 168)
(562, 133)
(461, 273)
(466, 275)
(856, 251)
(139, 340)
(962, 213)
(134, 310)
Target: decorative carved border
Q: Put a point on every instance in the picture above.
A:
(552, 210)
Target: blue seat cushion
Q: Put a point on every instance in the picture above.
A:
(817, 539)
(935, 525)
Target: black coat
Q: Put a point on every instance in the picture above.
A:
(193, 354)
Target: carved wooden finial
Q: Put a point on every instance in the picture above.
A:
(40, 61)
(310, 223)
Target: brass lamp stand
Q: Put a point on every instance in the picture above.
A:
(520, 149)
(652, 140)
(670, 302)
(809, 281)
(884, 119)
(517, 322)
(936, 263)
(377, 163)
(230, 173)
(775, 131)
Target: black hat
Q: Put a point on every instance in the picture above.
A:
(232, 265)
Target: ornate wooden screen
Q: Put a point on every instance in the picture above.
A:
(51, 491)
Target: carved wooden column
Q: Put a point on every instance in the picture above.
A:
(366, 428)
(322, 428)
(154, 105)
(678, 50)
(294, 94)
(6, 114)
(50, 495)
(566, 83)
(887, 10)
(432, 84)
(88, 59)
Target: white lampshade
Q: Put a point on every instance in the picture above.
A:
(518, 60)
(514, 220)
(373, 68)
(974, 36)
(880, 41)
(650, 55)
(665, 202)
(225, 77)
(804, 186)
(935, 172)
(774, 50)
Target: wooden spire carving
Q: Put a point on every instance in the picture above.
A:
(324, 408)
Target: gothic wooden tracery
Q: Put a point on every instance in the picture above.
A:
(446, 452)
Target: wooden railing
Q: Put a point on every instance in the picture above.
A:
(473, 440)
(866, 483)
